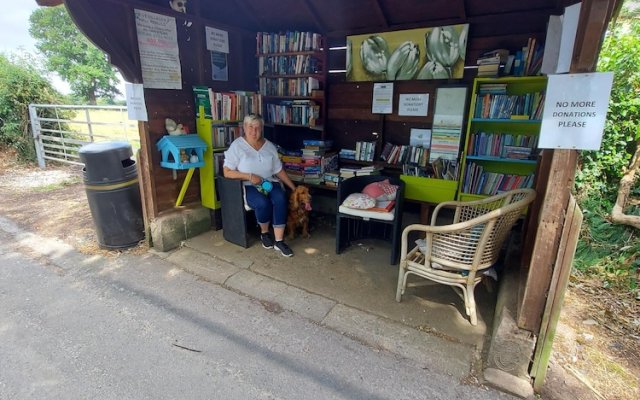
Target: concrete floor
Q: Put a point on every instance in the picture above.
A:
(360, 278)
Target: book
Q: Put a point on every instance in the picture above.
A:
(383, 206)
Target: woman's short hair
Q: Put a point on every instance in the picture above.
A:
(249, 118)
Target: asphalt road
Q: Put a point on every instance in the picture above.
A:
(136, 327)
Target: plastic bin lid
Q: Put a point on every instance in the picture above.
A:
(103, 162)
(105, 147)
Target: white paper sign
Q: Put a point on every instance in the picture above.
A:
(217, 40)
(414, 104)
(158, 46)
(382, 98)
(575, 110)
(136, 107)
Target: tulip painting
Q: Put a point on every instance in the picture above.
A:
(425, 53)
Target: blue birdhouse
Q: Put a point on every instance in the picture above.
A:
(182, 151)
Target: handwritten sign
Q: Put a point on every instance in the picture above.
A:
(575, 110)
(414, 104)
(159, 53)
(217, 40)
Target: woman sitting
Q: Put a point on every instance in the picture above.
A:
(254, 159)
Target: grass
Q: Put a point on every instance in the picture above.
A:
(58, 185)
(106, 125)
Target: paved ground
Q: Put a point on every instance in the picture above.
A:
(133, 327)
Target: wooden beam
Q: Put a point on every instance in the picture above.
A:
(547, 238)
(462, 9)
(559, 283)
(81, 13)
(313, 15)
(248, 10)
(594, 16)
(589, 37)
(147, 183)
(377, 7)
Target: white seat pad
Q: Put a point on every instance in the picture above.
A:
(380, 215)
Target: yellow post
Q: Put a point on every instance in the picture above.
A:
(185, 185)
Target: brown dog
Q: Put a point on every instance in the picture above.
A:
(299, 207)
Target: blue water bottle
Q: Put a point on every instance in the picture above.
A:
(264, 187)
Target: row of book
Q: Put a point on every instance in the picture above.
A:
(528, 60)
(290, 87)
(500, 144)
(226, 106)
(525, 62)
(477, 181)
(365, 151)
(285, 42)
(296, 112)
(505, 106)
(404, 154)
(224, 135)
(288, 65)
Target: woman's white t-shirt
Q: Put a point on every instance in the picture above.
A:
(242, 157)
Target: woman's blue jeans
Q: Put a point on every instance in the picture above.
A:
(272, 207)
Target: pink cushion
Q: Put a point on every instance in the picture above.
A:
(381, 191)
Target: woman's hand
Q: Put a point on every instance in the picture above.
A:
(255, 179)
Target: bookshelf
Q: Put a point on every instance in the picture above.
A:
(292, 80)
(500, 151)
(218, 122)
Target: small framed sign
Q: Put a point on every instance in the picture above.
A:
(414, 104)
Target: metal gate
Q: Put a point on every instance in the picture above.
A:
(60, 130)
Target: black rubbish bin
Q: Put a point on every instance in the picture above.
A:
(111, 183)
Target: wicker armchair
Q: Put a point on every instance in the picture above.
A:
(455, 254)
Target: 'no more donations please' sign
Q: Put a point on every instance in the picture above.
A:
(575, 110)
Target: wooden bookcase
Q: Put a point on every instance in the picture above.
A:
(495, 154)
(210, 131)
(292, 80)
(350, 120)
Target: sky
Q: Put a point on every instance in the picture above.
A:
(14, 34)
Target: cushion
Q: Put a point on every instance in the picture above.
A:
(381, 190)
(367, 214)
(359, 201)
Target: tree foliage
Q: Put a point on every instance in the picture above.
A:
(601, 170)
(21, 83)
(69, 53)
(609, 251)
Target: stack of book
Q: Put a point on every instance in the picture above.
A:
(331, 178)
(292, 164)
(489, 63)
(349, 172)
(347, 154)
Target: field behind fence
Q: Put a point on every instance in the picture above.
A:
(60, 130)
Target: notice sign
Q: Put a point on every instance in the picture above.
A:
(136, 107)
(413, 104)
(382, 102)
(575, 110)
(217, 40)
